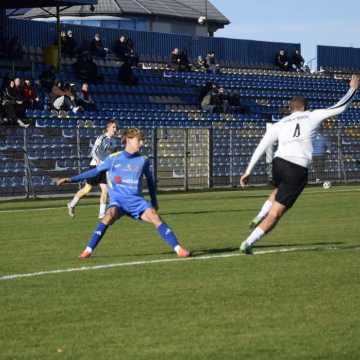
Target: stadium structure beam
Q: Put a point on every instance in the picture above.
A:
(15, 4)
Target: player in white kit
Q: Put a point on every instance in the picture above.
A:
(291, 161)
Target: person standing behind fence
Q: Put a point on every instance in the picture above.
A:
(321, 148)
(105, 145)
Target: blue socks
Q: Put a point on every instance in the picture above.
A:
(166, 234)
(97, 235)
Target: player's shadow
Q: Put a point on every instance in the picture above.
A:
(199, 212)
(321, 243)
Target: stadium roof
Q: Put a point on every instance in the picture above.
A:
(185, 9)
(14, 4)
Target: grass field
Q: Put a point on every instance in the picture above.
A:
(302, 304)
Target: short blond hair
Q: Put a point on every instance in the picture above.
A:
(130, 134)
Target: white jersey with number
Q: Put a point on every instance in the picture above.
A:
(294, 133)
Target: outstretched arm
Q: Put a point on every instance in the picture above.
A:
(86, 175)
(341, 105)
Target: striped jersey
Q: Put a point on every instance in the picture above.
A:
(104, 146)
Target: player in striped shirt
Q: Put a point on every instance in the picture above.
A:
(104, 145)
(294, 134)
(125, 171)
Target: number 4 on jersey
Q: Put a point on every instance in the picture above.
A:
(297, 131)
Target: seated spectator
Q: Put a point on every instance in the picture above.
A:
(208, 100)
(96, 47)
(13, 49)
(212, 63)
(201, 63)
(84, 98)
(31, 100)
(126, 75)
(297, 61)
(47, 78)
(87, 69)
(62, 98)
(124, 50)
(282, 60)
(68, 44)
(13, 103)
(179, 60)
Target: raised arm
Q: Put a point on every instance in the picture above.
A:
(341, 105)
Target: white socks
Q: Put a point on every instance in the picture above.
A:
(256, 235)
(102, 210)
(74, 201)
(264, 210)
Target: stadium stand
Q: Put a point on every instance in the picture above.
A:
(189, 148)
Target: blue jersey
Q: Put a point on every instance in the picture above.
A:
(124, 176)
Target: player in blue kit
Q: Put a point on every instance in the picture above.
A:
(125, 170)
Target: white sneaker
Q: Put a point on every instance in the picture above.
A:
(22, 124)
(75, 109)
(71, 210)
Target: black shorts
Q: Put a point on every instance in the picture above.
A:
(290, 179)
(96, 180)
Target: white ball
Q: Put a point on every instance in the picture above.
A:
(327, 185)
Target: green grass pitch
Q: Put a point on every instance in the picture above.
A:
(303, 304)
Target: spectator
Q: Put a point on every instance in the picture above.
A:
(47, 78)
(321, 148)
(207, 102)
(297, 62)
(68, 44)
(201, 63)
(96, 47)
(120, 48)
(124, 50)
(13, 104)
(31, 100)
(84, 98)
(212, 63)
(179, 60)
(282, 60)
(126, 75)
(86, 69)
(62, 99)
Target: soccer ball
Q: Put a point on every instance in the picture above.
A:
(327, 185)
(201, 20)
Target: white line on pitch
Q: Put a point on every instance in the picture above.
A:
(159, 261)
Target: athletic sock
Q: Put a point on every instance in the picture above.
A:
(97, 235)
(256, 235)
(74, 201)
(264, 210)
(102, 209)
(167, 235)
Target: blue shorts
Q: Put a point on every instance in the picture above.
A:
(133, 206)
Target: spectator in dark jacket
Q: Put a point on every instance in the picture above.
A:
(179, 60)
(84, 98)
(282, 60)
(87, 69)
(68, 44)
(97, 48)
(14, 103)
(297, 61)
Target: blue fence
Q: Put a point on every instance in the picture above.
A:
(342, 58)
(156, 46)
